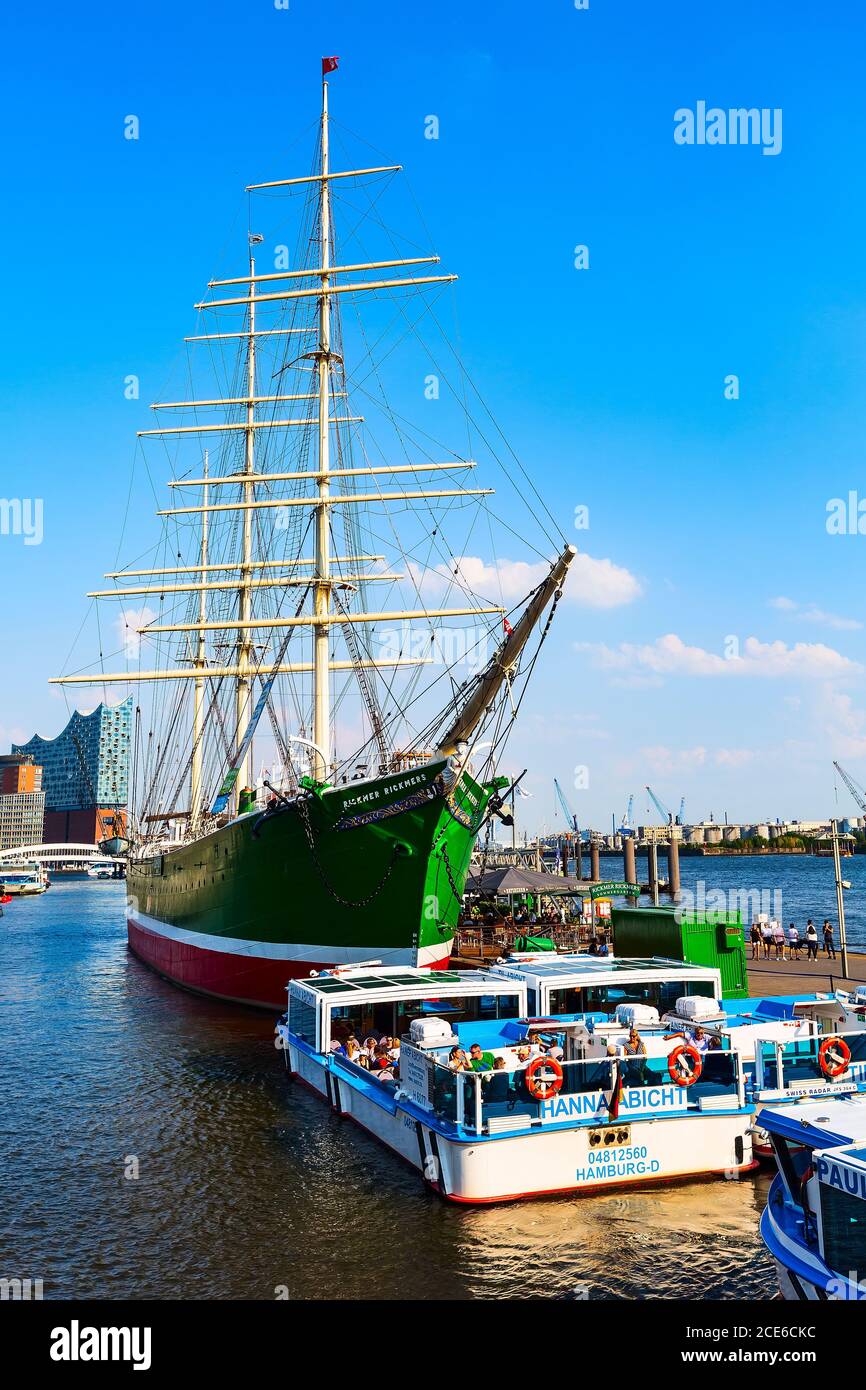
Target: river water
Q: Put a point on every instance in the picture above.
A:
(152, 1147)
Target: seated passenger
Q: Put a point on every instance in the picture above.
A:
(337, 1046)
(457, 1060)
(478, 1060)
(496, 1088)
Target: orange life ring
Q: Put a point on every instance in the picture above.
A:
(685, 1077)
(840, 1050)
(543, 1087)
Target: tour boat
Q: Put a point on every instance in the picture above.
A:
(803, 1045)
(814, 1223)
(388, 719)
(551, 1111)
(23, 882)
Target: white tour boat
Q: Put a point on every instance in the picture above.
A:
(553, 1106)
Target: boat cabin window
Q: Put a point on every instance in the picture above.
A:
(843, 1223)
(394, 1018)
(604, 999)
(302, 1019)
(792, 1170)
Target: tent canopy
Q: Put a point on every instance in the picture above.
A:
(513, 880)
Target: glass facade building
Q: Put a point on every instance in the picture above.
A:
(87, 764)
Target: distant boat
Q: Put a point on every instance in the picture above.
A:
(23, 882)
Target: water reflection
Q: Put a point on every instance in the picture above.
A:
(247, 1184)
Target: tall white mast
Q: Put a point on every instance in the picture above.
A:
(195, 789)
(322, 574)
(242, 698)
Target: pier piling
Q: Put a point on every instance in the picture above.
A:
(628, 864)
(673, 868)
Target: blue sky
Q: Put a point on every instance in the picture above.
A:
(556, 129)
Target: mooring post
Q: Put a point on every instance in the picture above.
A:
(673, 868)
(628, 864)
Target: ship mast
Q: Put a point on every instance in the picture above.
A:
(322, 573)
(242, 689)
(195, 794)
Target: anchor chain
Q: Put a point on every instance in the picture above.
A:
(338, 897)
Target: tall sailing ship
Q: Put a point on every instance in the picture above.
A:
(384, 721)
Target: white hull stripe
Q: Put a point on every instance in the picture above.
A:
(289, 951)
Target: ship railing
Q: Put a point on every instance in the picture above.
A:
(500, 1099)
(781, 1066)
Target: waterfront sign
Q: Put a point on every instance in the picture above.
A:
(614, 889)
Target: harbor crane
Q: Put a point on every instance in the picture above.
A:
(663, 810)
(571, 822)
(570, 817)
(857, 792)
(626, 828)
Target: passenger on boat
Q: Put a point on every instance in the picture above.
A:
(457, 1060)
(699, 1040)
(337, 1046)
(496, 1088)
(479, 1060)
(635, 1048)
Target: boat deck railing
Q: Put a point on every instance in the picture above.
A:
(790, 1065)
(496, 1100)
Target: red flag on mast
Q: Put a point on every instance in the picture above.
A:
(329, 65)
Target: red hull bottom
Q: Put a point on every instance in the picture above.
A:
(232, 977)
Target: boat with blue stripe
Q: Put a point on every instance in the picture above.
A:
(554, 1101)
(814, 1223)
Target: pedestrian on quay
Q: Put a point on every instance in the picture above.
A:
(767, 938)
(811, 941)
(779, 939)
(793, 942)
(755, 938)
(829, 948)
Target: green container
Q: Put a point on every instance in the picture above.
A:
(697, 938)
(533, 943)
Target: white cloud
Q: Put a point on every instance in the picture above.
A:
(127, 624)
(811, 613)
(670, 656)
(591, 582)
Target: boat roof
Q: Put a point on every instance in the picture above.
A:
(551, 967)
(823, 1124)
(403, 981)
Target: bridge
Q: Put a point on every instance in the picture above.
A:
(57, 856)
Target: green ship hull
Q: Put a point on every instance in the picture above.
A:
(372, 869)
